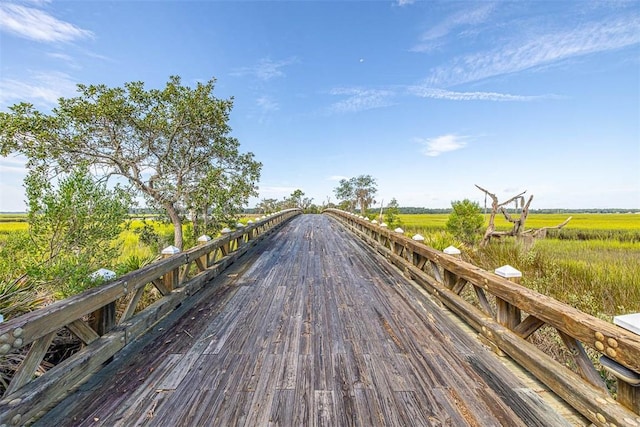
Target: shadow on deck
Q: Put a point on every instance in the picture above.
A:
(311, 328)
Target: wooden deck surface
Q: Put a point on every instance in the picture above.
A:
(309, 328)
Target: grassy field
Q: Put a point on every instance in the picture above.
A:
(593, 263)
(581, 221)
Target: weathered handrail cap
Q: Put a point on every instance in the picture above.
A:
(451, 250)
(508, 271)
(170, 250)
(225, 230)
(239, 225)
(631, 322)
(399, 230)
(418, 238)
(204, 238)
(103, 274)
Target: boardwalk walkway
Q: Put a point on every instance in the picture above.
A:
(308, 329)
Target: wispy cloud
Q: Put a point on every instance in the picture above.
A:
(405, 2)
(359, 99)
(435, 36)
(36, 24)
(434, 93)
(336, 178)
(266, 104)
(433, 147)
(539, 50)
(37, 88)
(266, 69)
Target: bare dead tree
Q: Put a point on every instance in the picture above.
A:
(519, 231)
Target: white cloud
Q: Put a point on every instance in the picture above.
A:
(433, 147)
(266, 69)
(540, 49)
(37, 88)
(405, 2)
(434, 37)
(267, 104)
(360, 99)
(434, 93)
(35, 24)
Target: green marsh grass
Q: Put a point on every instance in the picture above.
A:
(592, 264)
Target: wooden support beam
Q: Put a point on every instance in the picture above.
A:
(484, 302)
(528, 326)
(30, 364)
(584, 364)
(83, 331)
(133, 303)
(459, 285)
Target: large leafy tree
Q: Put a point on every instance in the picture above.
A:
(357, 192)
(164, 142)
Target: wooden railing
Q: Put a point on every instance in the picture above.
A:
(92, 317)
(506, 314)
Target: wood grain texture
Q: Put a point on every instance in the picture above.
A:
(312, 329)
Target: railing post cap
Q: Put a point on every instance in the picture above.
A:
(451, 250)
(239, 225)
(103, 274)
(399, 230)
(418, 238)
(225, 230)
(508, 271)
(630, 322)
(204, 238)
(366, 219)
(374, 222)
(384, 224)
(170, 250)
(249, 222)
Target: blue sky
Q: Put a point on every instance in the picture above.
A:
(428, 97)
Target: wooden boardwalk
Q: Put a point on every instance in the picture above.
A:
(310, 328)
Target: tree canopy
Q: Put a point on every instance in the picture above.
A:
(172, 145)
(357, 192)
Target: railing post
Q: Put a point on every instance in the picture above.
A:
(415, 259)
(170, 279)
(226, 248)
(506, 314)
(205, 259)
(104, 318)
(250, 234)
(450, 279)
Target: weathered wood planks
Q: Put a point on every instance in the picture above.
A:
(313, 329)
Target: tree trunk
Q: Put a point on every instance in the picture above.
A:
(177, 225)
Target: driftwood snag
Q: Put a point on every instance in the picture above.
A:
(527, 237)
